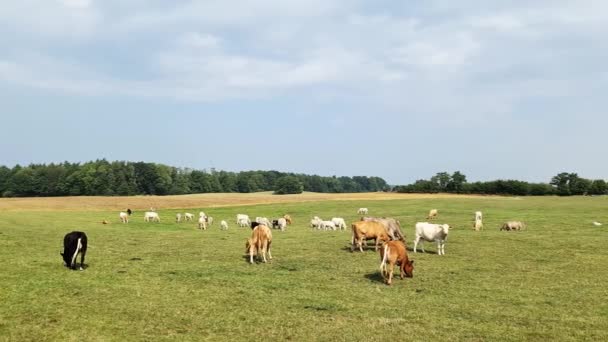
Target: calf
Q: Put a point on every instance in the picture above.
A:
(431, 232)
(432, 214)
(339, 222)
(513, 225)
(223, 225)
(74, 243)
(367, 230)
(394, 252)
(362, 211)
(259, 243)
(124, 217)
(189, 216)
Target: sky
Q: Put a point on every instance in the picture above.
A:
(396, 89)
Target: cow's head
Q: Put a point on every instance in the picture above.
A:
(409, 269)
(446, 228)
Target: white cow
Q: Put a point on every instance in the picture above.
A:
(327, 225)
(478, 216)
(243, 217)
(362, 211)
(243, 223)
(282, 223)
(202, 214)
(189, 217)
(178, 217)
(478, 225)
(339, 222)
(263, 220)
(223, 225)
(202, 223)
(431, 232)
(315, 222)
(151, 216)
(124, 217)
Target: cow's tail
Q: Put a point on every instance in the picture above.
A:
(78, 248)
(384, 258)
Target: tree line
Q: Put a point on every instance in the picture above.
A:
(122, 178)
(563, 184)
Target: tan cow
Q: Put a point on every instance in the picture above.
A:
(513, 225)
(288, 219)
(259, 243)
(365, 230)
(395, 253)
(432, 214)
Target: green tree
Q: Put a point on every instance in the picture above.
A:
(598, 187)
(288, 185)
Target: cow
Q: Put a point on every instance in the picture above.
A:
(394, 253)
(280, 223)
(339, 222)
(243, 217)
(202, 223)
(189, 216)
(223, 225)
(124, 217)
(210, 220)
(367, 230)
(259, 243)
(288, 219)
(263, 220)
(478, 225)
(74, 243)
(327, 225)
(315, 222)
(362, 211)
(431, 232)
(432, 214)
(178, 217)
(478, 216)
(513, 225)
(151, 216)
(393, 227)
(243, 222)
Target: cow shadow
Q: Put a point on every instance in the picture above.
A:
(375, 277)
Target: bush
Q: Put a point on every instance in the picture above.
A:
(288, 185)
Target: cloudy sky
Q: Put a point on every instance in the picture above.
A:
(397, 89)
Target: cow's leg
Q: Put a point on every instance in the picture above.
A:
(82, 260)
(269, 255)
(360, 244)
(416, 244)
(390, 273)
(439, 247)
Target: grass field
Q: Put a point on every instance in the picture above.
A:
(168, 281)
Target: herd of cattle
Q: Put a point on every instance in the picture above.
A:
(386, 233)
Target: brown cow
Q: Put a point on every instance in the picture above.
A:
(394, 252)
(259, 243)
(365, 230)
(288, 219)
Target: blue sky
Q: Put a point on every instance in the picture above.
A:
(397, 89)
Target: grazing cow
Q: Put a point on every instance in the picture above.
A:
(367, 230)
(124, 217)
(243, 222)
(393, 227)
(189, 216)
(202, 223)
(327, 225)
(74, 243)
(243, 217)
(431, 232)
(178, 217)
(513, 225)
(259, 243)
(478, 216)
(394, 252)
(151, 216)
(362, 211)
(432, 214)
(315, 222)
(223, 225)
(339, 222)
(478, 225)
(288, 219)
(210, 220)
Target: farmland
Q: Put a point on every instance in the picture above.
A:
(169, 281)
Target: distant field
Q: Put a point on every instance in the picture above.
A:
(168, 281)
(99, 203)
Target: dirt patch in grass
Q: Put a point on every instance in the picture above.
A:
(102, 203)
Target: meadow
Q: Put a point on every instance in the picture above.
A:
(169, 281)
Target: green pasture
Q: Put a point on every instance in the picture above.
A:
(168, 281)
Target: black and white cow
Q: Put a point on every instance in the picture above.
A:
(74, 243)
